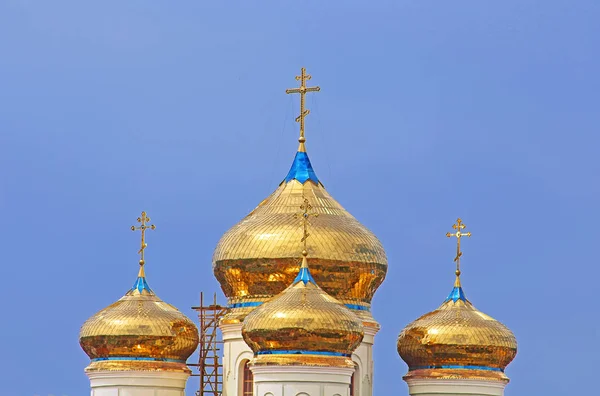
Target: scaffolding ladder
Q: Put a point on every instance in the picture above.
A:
(210, 367)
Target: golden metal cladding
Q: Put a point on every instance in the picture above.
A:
(448, 374)
(237, 315)
(258, 257)
(139, 325)
(457, 334)
(366, 317)
(303, 318)
(137, 365)
(302, 360)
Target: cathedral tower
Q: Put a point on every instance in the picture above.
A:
(456, 349)
(138, 345)
(258, 258)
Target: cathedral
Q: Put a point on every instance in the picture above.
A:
(299, 273)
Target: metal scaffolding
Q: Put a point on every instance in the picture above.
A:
(210, 367)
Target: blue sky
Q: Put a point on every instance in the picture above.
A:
(427, 111)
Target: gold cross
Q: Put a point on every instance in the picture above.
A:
(459, 226)
(306, 208)
(143, 227)
(302, 90)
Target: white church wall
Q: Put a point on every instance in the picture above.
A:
(235, 353)
(363, 356)
(301, 381)
(137, 383)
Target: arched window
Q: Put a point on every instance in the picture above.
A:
(247, 380)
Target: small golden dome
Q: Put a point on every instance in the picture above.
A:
(257, 258)
(303, 325)
(457, 341)
(139, 332)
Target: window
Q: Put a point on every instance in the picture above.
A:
(352, 384)
(247, 381)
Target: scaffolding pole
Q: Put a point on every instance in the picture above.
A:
(210, 367)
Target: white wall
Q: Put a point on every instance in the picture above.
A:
(363, 357)
(137, 383)
(301, 381)
(235, 353)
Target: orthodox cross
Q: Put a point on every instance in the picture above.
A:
(305, 214)
(302, 90)
(459, 226)
(143, 227)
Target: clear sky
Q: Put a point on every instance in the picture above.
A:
(427, 111)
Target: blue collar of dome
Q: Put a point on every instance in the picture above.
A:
(304, 276)
(137, 358)
(141, 284)
(456, 294)
(457, 367)
(301, 352)
(245, 304)
(301, 169)
(357, 307)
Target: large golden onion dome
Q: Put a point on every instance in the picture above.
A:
(303, 325)
(139, 332)
(257, 258)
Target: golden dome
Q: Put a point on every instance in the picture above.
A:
(257, 258)
(139, 332)
(457, 341)
(303, 326)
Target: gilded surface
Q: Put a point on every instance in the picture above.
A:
(483, 375)
(302, 360)
(139, 325)
(303, 318)
(129, 365)
(457, 334)
(258, 257)
(367, 318)
(237, 315)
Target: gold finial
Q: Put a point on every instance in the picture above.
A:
(143, 227)
(302, 90)
(459, 226)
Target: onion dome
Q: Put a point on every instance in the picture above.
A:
(257, 258)
(139, 332)
(303, 325)
(457, 341)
